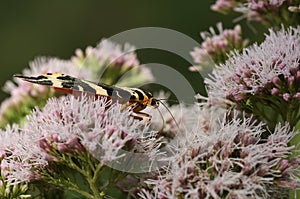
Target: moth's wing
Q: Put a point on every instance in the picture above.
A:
(133, 97)
(121, 94)
(66, 83)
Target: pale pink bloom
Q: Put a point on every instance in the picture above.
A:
(75, 125)
(258, 10)
(111, 53)
(109, 61)
(178, 118)
(216, 46)
(22, 159)
(268, 69)
(230, 160)
(269, 12)
(294, 8)
(71, 126)
(172, 119)
(225, 6)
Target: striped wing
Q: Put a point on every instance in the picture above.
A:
(69, 84)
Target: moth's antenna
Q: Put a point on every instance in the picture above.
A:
(164, 122)
(169, 113)
(170, 100)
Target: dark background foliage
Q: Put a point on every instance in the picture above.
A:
(56, 28)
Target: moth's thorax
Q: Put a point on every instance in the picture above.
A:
(142, 98)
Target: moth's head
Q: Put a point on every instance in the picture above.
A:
(154, 103)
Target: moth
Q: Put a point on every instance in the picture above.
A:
(135, 98)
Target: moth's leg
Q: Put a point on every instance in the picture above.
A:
(128, 104)
(124, 106)
(136, 114)
(142, 116)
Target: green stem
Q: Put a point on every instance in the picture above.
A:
(116, 179)
(98, 169)
(65, 184)
(90, 173)
(71, 164)
(294, 114)
(91, 176)
(94, 187)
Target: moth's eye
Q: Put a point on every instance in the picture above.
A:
(154, 103)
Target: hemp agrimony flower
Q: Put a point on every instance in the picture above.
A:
(112, 63)
(21, 159)
(294, 8)
(184, 118)
(263, 79)
(230, 160)
(98, 125)
(85, 135)
(225, 6)
(268, 12)
(216, 47)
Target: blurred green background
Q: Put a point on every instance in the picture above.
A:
(56, 28)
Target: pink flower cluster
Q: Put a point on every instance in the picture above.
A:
(259, 10)
(294, 8)
(216, 47)
(269, 70)
(231, 161)
(225, 6)
(21, 156)
(264, 11)
(109, 61)
(76, 127)
(108, 52)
